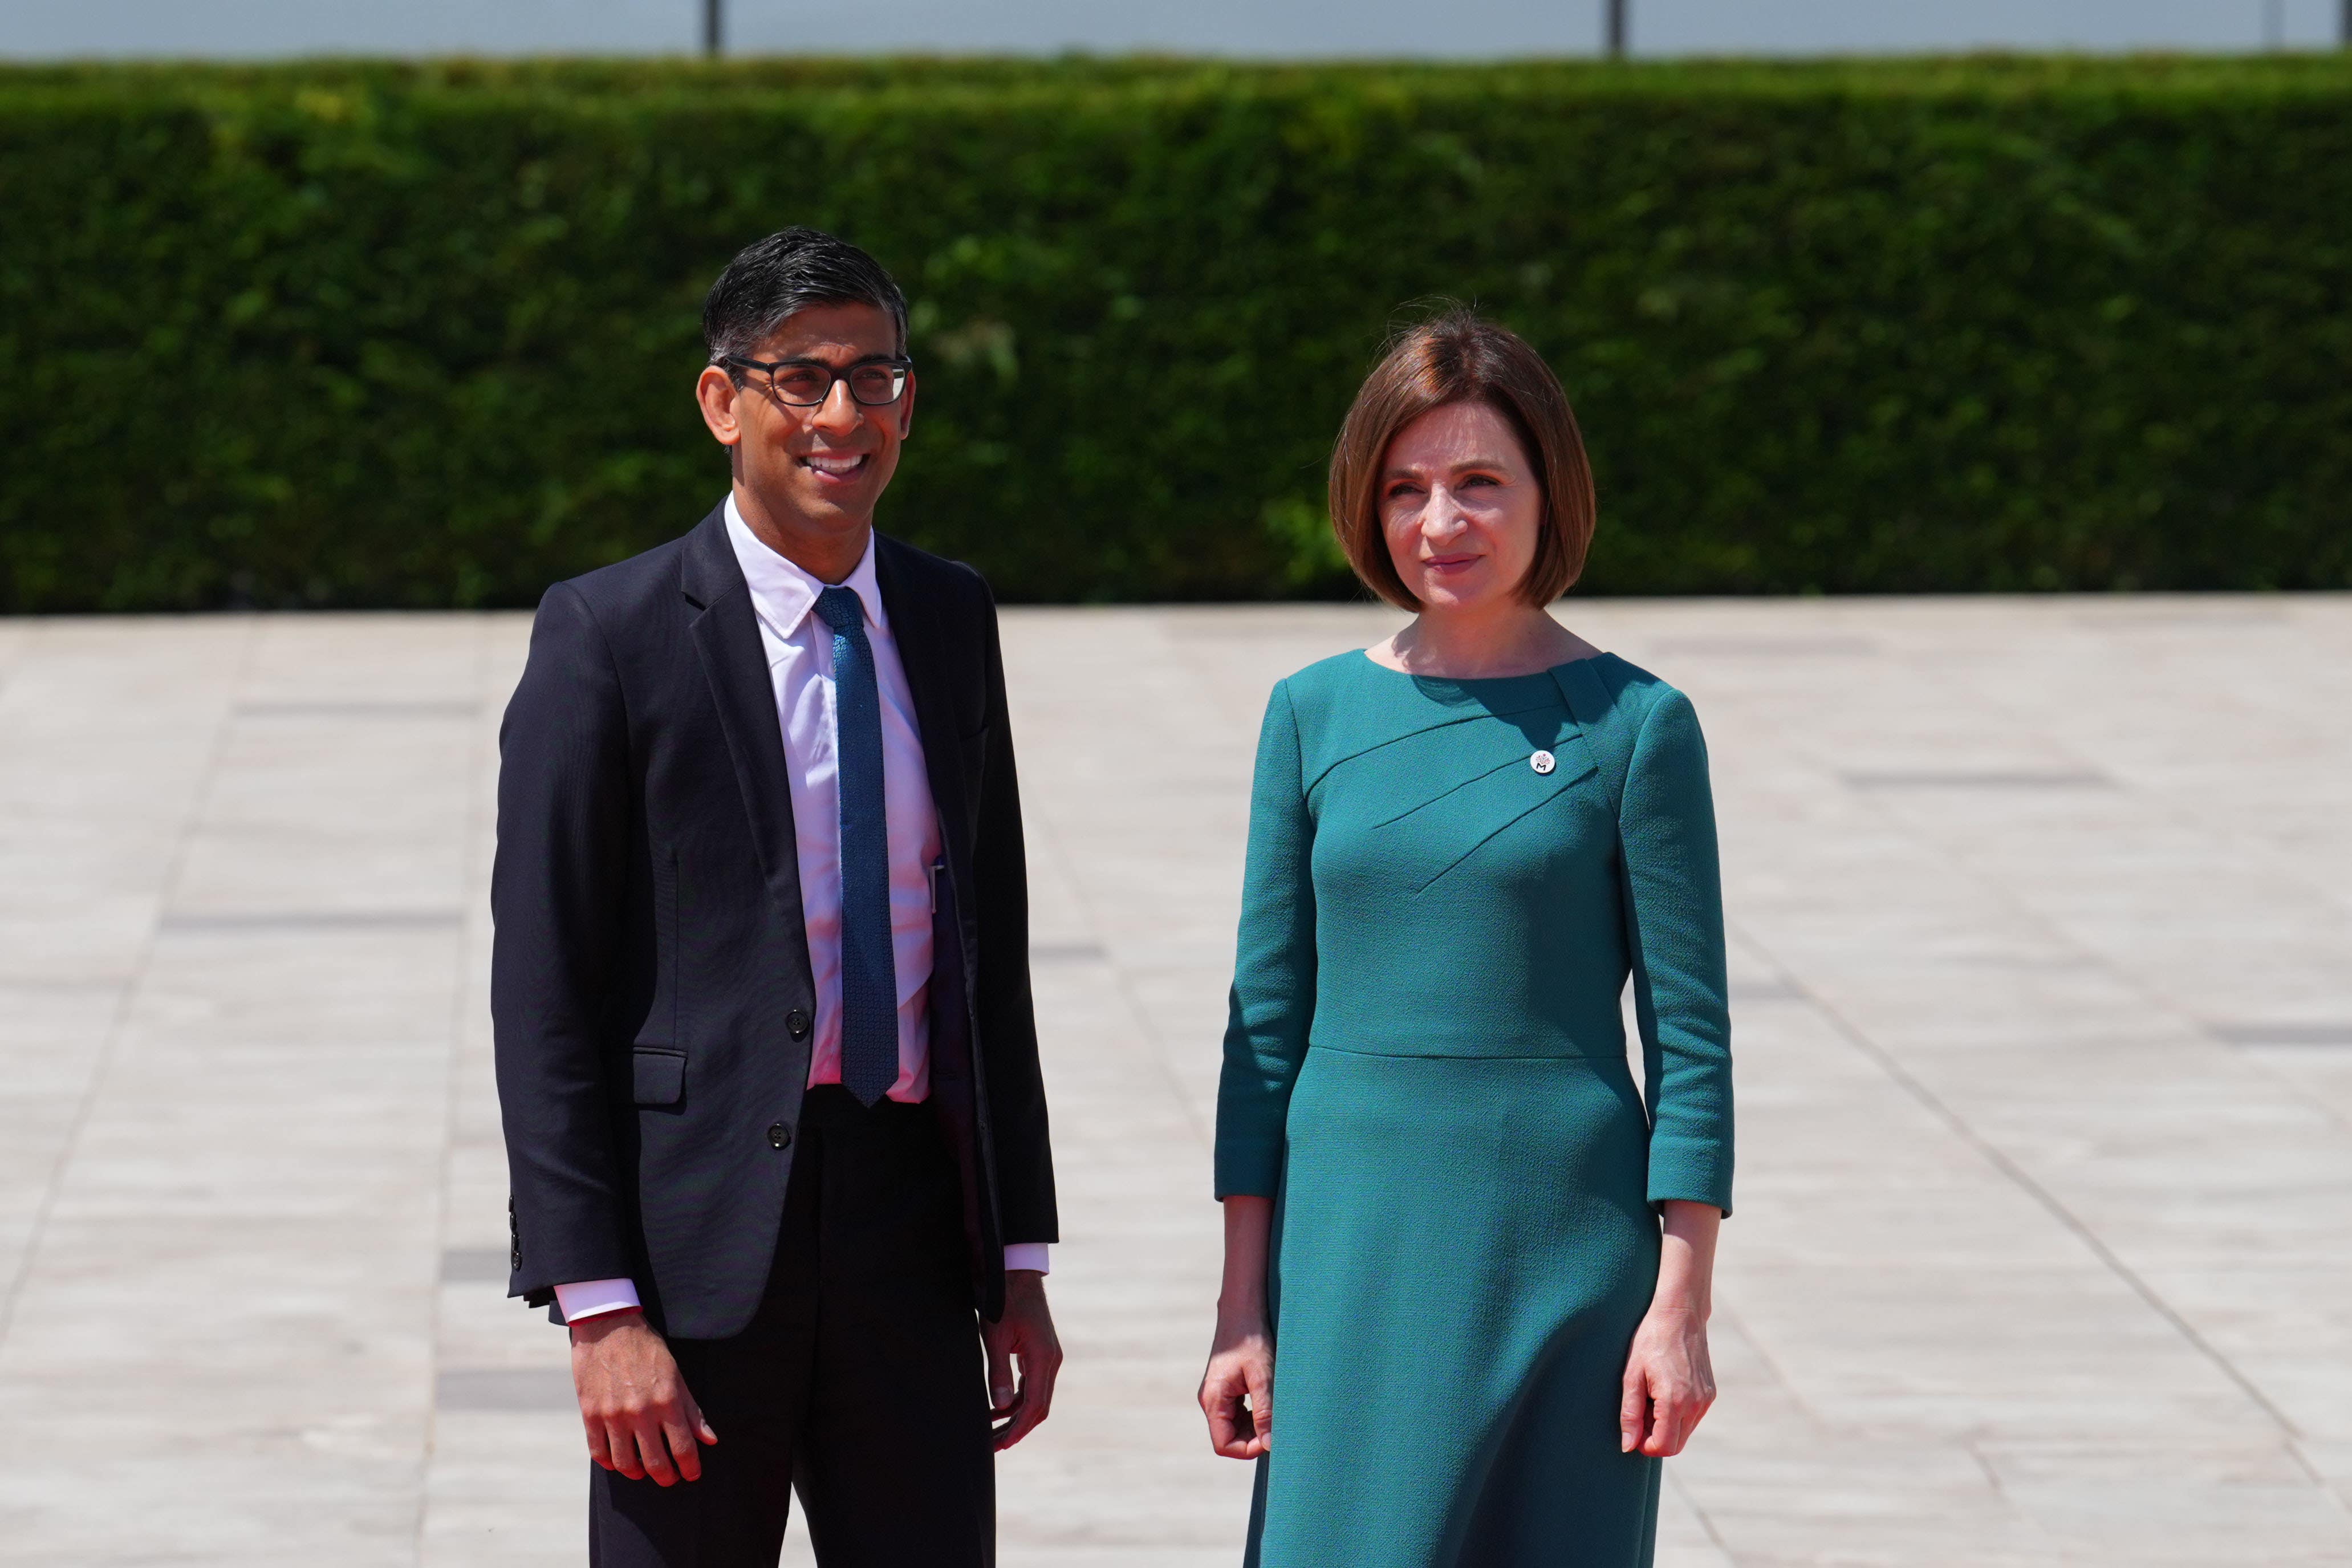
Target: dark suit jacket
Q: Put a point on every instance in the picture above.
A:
(650, 984)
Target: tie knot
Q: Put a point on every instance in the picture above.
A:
(840, 607)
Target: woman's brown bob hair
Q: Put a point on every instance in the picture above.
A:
(1458, 358)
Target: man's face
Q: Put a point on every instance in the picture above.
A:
(814, 470)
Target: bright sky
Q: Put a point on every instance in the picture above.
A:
(251, 28)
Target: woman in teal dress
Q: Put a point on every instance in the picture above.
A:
(1464, 1260)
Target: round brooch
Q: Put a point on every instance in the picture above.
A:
(1543, 762)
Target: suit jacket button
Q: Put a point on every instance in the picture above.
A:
(798, 1023)
(779, 1136)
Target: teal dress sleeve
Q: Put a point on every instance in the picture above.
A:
(1273, 999)
(1675, 884)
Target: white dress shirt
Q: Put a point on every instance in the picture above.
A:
(799, 647)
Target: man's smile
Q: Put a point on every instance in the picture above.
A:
(836, 468)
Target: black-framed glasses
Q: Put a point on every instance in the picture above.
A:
(807, 383)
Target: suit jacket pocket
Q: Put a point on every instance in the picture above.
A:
(660, 1075)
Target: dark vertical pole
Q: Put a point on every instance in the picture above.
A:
(2344, 25)
(1617, 28)
(714, 34)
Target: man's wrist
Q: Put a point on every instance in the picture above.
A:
(591, 1330)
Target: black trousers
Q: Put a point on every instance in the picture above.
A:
(859, 1383)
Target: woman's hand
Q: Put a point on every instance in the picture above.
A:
(1669, 1381)
(1237, 1391)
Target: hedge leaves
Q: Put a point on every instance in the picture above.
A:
(381, 335)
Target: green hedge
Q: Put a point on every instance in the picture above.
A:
(378, 335)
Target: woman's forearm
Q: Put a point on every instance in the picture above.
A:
(1249, 1226)
(1685, 1258)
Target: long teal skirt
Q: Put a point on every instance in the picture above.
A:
(1464, 1250)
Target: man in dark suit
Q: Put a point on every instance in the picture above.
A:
(765, 1050)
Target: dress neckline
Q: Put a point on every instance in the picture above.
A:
(1470, 681)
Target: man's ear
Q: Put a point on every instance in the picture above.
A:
(906, 407)
(715, 393)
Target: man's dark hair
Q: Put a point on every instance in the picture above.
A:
(771, 279)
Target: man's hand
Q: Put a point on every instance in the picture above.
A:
(1026, 1332)
(641, 1420)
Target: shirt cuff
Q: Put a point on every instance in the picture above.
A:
(1037, 1255)
(594, 1298)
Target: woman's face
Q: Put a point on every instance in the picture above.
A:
(1460, 507)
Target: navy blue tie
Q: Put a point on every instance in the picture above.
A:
(869, 975)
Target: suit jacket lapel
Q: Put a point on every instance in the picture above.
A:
(727, 640)
(923, 651)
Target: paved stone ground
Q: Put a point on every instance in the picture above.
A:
(2043, 952)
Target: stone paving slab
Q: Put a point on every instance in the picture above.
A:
(2041, 919)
